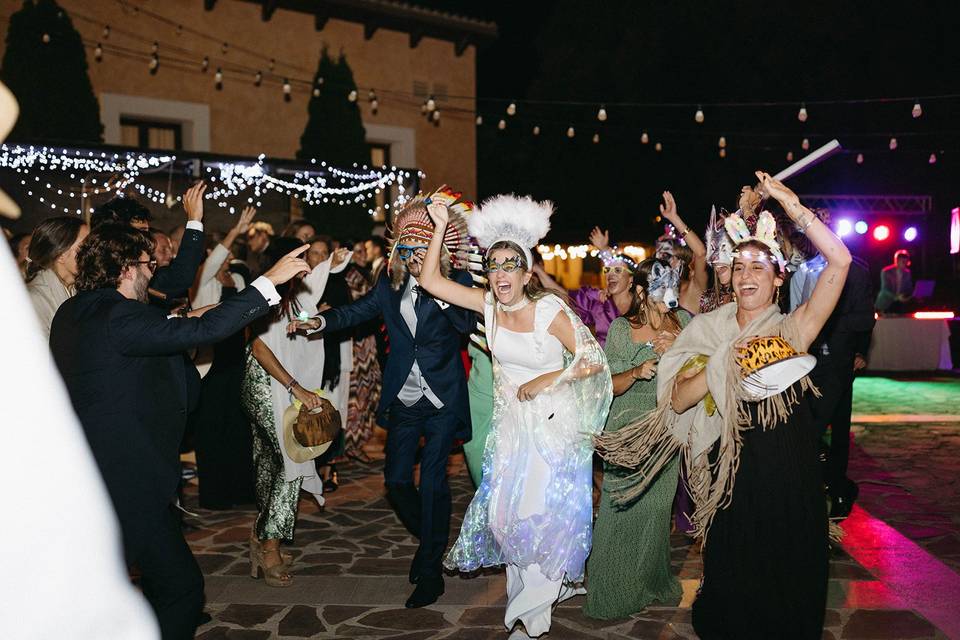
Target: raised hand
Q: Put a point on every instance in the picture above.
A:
(193, 201)
(246, 217)
(776, 189)
(600, 239)
(669, 208)
(288, 266)
(438, 213)
(340, 256)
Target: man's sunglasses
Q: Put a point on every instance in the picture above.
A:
(151, 264)
(406, 251)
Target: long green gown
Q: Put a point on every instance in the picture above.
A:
(629, 567)
(480, 390)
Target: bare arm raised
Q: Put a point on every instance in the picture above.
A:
(669, 211)
(430, 277)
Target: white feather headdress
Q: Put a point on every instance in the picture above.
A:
(521, 220)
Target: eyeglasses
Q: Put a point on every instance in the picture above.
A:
(151, 264)
(406, 251)
(617, 269)
(507, 266)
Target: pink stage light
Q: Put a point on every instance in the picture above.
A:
(910, 234)
(933, 315)
(955, 230)
(881, 232)
(860, 227)
(844, 227)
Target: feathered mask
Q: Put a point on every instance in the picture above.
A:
(765, 232)
(719, 247)
(411, 225)
(522, 221)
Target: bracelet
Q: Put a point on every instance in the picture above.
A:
(686, 230)
(289, 387)
(808, 223)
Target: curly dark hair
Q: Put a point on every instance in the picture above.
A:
(119, 209)
(106, 252)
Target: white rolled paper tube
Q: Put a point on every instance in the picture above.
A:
(801, 165)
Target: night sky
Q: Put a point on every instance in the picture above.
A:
(699, 52)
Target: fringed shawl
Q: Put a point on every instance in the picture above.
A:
(650, 443)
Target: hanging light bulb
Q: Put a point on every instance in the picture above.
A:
(352, 96)
(723, 153)
(479, 120)
(224, 47)
(596, 138)
(502, 124)
(155, 47)
(893, 144)
(106, 31)
(571, 132)
(423, 107)
(859, 158)
(536, 129)
(802, 114)
(316, 92)
(602, 114)
(805, 145)
(722, 142)
(45, 38)
(932, 159)
(698, 116)
(917, 110)
(272, 65)
(512, 109)
(154, 64)
(286, 90)
(258, 79)
(205, 64)
(644, 138)
(789, 156)
(436, 115)
(658, 147)
(371, 95)
(218, 79)
(374, 106)
(431, 104)
(179, 30)
(98, 53)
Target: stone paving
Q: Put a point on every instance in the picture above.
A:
(351, 560)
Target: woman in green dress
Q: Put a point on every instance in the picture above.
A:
(629, 567)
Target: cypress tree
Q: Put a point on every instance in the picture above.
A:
(45, 66)
(335, 134)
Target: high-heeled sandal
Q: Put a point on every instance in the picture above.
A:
(285, 556)
(274, 576)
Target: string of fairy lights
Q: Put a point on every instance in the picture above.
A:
(53, 174)
(331, 185)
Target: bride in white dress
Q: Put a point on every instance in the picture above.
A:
(552, 390)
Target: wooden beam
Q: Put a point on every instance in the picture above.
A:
(415, 38)
(209, 4)
(461, 45)
(368, 30)
(268, 7)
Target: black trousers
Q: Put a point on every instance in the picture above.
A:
(834, 377)
(425, 512)
(171, 579)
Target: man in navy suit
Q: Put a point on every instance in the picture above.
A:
(424, 395)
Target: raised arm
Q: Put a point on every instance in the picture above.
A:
(430, 277)
(811, 316)
(669, 211)
(179, 276)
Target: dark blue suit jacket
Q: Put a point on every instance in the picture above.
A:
(436, 347)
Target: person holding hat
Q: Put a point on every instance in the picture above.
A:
(283, 371)
(743, 425)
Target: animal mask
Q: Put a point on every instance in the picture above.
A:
(664, 286)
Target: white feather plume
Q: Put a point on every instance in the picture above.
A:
(522, 220)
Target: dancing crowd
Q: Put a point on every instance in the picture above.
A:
(704, 389)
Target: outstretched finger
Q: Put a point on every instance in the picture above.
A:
(296, 252)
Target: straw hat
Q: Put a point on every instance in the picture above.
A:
(8, 116)
(308, 434)
(769, 365)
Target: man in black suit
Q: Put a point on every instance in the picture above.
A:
(424, 395)
(841, 349)
(122, 362)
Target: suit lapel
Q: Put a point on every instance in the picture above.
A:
(396, 297)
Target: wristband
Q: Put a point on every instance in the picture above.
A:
(289, 387)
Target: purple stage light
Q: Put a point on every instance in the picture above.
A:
(844, 227)
(860, 227)
(910, 234)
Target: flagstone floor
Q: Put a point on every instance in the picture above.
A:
(895, 575)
